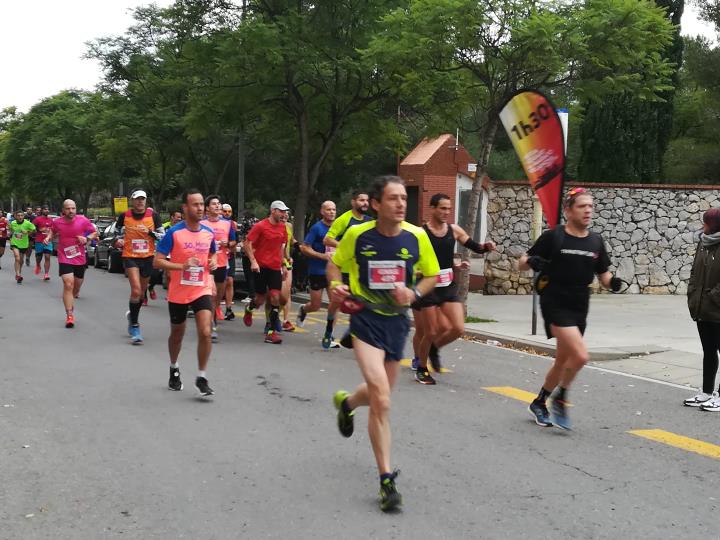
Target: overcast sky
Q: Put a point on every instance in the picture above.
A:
(42, 43)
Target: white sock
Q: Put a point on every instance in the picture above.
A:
(175, 365)
(202, 374)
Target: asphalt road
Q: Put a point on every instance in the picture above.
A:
(94, 446)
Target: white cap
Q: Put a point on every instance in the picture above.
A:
(226, 206)
(278, 205)
(138, 193)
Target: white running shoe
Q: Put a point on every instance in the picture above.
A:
(699, 399)
(711, 405)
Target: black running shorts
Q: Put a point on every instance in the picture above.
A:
(267, 280)
(144, 264)
(388, 333)
(77, 270)
(178, 312)
(565, 311)
(219, 274)
(317, 283)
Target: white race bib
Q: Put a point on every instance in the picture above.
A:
(193, 276)
(386, 274)
(19, 235)
(330, 250)
(71, 251)
(445, 277)
(140, 245)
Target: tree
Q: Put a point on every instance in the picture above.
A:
(488, 50)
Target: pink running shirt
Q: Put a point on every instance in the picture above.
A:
(69, 248)
(222, 229)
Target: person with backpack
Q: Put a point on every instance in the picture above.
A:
(568, 258)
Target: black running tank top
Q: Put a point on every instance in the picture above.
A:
(444, 246)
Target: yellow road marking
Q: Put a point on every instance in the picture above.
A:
(407, 362)
(515, 393)
(679, 441)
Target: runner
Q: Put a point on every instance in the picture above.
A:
(42, 224)
(265, 247)
(318, 256)
(224, 240)
(286, 290)
(20, 231)
(73, 233)
(232, 256)
(158, 276)
(439, 316)
(571, 256)
(3, 233)
(138, 228)
(357, 214)
(383, 258)
(190, 246)
(30, 216)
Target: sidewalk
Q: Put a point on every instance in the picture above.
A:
(647, 335)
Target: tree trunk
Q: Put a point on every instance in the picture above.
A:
(303, 185)
(482, 166)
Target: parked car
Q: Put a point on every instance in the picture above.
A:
(106, 255)
(101, 223)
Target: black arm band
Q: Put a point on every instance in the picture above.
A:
(474, 246)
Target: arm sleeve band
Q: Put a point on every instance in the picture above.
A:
(474, 246)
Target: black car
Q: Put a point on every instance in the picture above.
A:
(106, 254)
(101, 224)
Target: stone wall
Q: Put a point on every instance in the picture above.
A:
(651, 233)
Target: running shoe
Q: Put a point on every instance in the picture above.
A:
(273, 337)
(47, 277)
(434, 358)
(415, 363)
(27, 261)
(201, 383)
(287, 326)
(214, 334)
(248, 316)
(699, 399)
(711, 405)
(19, 279)
(153, 294)
(346, 340)
(145, 301)
(389, 496)
(229, 314)
(219, 315)
(423, 376)
(345, 421)
(130, 325)
(135, 335)
(559, 414)
(175, 383)
(301, 316)
(540, 414)
(327, 340)
(37, 270)
(70, 321)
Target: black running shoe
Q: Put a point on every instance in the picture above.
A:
(423, 376)
(201, 383)
(559, 414)
(175, 383)
(345, 421)
(389, 496)
(434, 357)
(229, 314)
(301, 316)
(346, 340)
(540, 414)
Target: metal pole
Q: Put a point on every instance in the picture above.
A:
(241, 175)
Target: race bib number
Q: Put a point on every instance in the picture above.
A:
(140, 246)
(193, 276)
(386, 274)
(71, 252)
(19, 235)
(330, 250)
(445, 277)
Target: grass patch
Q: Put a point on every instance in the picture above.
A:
(472, 319)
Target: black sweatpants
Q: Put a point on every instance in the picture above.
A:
(710, 339)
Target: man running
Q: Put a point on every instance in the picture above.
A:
(571, 256)
(73, 232)
(357, 214)
(137, 230)
(20, 231)
(157, 276)
(286, 289)
(224, 240)
(190, 248)
(265, 247)
(3, 233)
(383, 258)
(42, 250)
(318, 256)
(232, 256)
(439, 316)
